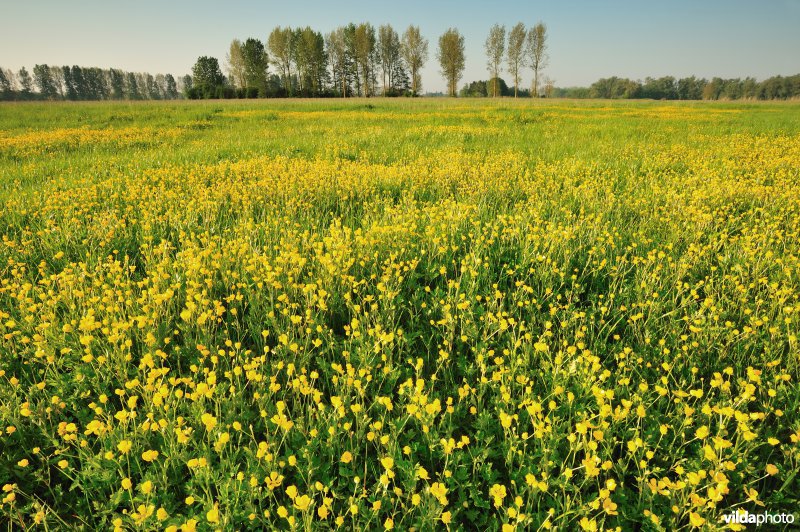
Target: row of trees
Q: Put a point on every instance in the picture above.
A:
(525, 48)
(352, 60)
(689, 88)
(82, 83)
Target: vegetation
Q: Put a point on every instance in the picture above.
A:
(452, 58)
(352, 59)
(392, 314)
(691, 88)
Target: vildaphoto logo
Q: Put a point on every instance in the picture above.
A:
(743, 517)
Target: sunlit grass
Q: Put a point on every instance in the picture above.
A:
(410, 314)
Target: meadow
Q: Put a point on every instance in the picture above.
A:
(412, 314)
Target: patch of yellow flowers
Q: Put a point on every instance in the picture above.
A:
(458, 339)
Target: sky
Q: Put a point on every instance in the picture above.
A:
(587, 39)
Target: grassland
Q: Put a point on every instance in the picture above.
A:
(398, 314)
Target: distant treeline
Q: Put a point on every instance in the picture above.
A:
(92, 83)
(352, 60)
(691, 88)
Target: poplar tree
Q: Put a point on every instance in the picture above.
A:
(495, 46)
(451, 58)
(414, 49)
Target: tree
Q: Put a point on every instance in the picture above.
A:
(364, 51)
(414, 49)
(44, 82)
(207, 77)
(495, 46)
(171, 87)
(255, 64)
(235, 60)
(280, 44)
(336, 45)
(5, 86)
(25, 83)
(131, 87)
(309, 59)
(58, 80)
(451, 58)
(389, 51)
(186, 85)
(117, 81)
(515, 57)
(537, 53)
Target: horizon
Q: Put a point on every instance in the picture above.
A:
(585, 45)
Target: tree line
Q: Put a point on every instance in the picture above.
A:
(357, 60)
(47, 82)
(689, 88)
(362, 60)
(351, 60)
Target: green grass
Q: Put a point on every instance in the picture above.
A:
(589, 306)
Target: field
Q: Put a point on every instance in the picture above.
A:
(401, 314)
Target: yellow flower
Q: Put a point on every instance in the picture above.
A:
(161, 514)
(498, 493)
(212, 516)
(387, 462)
(302, 502)
(346, 457)
(23, 463)
(150, 456)
(126, 483)
(124, 446)
(446, 517)
(696, 519)
(701, 432)
(209, 421)
(771, 470)
(388, 524)
(439, 491)
(146, 487)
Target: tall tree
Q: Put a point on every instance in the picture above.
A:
(495, 46)
(11, 85)
(336, 45)
(235, 60)
(116, 80)
(79, 82)
(364, 51)
(25, 83)
(5, 85)
(58, 80)
(207, 76)
(44, 82)
(171, 87)
(389, 50)
(256, 63)
(280, 43)
(537, 53)
(516, 53)
(451, 58)
(414, 49)
(309, 60)
(186, 85)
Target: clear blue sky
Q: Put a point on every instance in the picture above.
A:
(588, 39)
